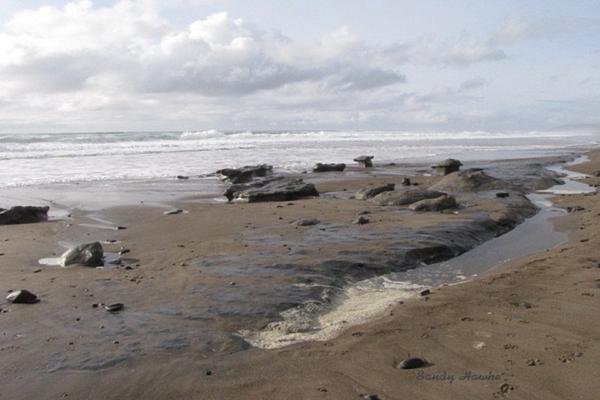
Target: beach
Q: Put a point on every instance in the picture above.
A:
(526, 329)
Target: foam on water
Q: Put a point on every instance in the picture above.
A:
(368, 299)
(40, 159)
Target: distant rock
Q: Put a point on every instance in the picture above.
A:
(329, 167)
(365, 161)
(283, 189)
(87, 254)
(441, 203)
(22, 297)
(23, 215)
(446, 167)
(372, 190)
(244, 174)
(404, 197)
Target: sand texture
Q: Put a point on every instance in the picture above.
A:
(191, 281)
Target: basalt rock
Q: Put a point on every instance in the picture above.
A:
(23, 215)
(86, 254)
(286, 189)
(446, 167)
(22, 297)
(373, 190)
(472, 181)
(365, 161)
(329, 167)
(441, 203)
(404, 197)
(244, 174)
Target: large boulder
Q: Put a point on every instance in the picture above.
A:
(23, 215)
(370, 191)
(87, 254)
(244, 174)
(441, 203)
(286, 189)
(471, 181)
(329, 167)
(404, 197)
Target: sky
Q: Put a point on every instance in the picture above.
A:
(177, 65)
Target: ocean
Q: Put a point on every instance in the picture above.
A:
(47, 159)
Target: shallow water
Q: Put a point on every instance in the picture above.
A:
(365, 300)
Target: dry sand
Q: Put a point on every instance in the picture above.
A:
(526, 330)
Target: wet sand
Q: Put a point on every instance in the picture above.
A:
(526, 329)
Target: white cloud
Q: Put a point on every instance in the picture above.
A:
(145, 64)
(77, 47)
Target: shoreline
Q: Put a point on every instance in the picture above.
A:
(229, 373)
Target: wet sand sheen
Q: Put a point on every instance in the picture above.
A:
(169, 311)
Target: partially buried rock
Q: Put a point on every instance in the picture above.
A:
(412, 363)
(371, 191)
(275, 190)
(87, 254)
(307, 222)
(441, 203)
(22, 297)
(404, 197)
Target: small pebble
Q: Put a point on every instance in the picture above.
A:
(114, 307)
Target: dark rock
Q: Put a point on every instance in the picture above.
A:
(365, 161)
(425, 292)
(406, 182)
(412, 363)
(183, 177)
(22, 297)
(87, 254)
(404, 197)
(446, 167)
(23, 215)
(441, 203)
(502, 195)
(574, 209)
(329, 167)
(245, 174)
(371, 191)
(114, 307)
(286, 189)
